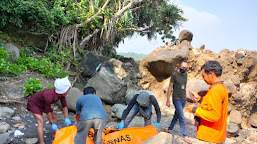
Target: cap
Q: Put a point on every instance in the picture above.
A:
(143, 97)
(62, 85)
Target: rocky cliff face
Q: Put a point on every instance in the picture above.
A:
(239, 72)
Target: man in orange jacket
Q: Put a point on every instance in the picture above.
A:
(213, 110)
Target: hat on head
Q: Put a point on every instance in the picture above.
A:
(62, 85)
(143, 97)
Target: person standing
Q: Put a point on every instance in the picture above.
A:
(142, 102)
(41, 102)
(178, 83)
(90, 114)
(213, 110)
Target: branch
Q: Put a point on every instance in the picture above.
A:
(136, 29)
(11, 101)
(94, 16)
(120, 12)
(86, 39)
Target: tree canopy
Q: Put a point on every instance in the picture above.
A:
(93, 25)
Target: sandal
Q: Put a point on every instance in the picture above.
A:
(187, 140)
(167, 131)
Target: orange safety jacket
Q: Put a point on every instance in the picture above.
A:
(213, 114)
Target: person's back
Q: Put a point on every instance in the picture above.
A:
(92, 107)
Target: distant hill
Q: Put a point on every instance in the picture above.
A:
(133, 55)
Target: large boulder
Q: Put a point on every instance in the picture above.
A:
(162, 62)
(185, 35)
(4, 127)
(117, 110)
(108, 86)
(16, 92)
(6, 112)
(160, 138)
(72, 97)
(90, 61)
(129, 96)
(199, 86)
(13, 52)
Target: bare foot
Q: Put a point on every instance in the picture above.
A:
(187, 140)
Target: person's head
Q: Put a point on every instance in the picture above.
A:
(143, 99)
(183, 66)
(211, 71)
(62, 86)
(89, 90)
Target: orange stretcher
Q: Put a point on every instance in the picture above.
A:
(135, 135)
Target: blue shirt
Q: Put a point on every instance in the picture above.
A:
(89, 107)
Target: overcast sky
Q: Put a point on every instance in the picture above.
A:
(219, 24)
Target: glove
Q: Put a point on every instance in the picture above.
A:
(76, 124)
(156, 125)
(67, 121)
(121, 125)
(54, 127)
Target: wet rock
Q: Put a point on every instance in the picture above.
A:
(5, 138)
(108, 86)
(31, 140)
(235, 117)
(4, 127)
(72, 97)
(6, 112)
(16, 92)
(117, 110)
(161, 138)
(232, 130)
(185, 35)
(16, 118)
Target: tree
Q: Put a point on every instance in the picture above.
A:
(93, 25)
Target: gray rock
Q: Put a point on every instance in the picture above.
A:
(235, 117)
(108, 86)
(6, 112)
(237, 97)
(31, 140)
(185, 35)
(72, 97)
(138, 121)
(129, 96)
(239, 57)
(16, 92)
(232, 130)
(118, 109)
(13, 52)
(16, 118)
(236, 80)
(5, 138)
(253, 119)
(4, 128)
(160, 138)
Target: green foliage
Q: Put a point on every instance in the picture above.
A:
(7, 67)
(50, 86)
(32, 86)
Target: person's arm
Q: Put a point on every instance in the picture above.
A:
(78, 110)
(213, 112)
(50, 118)
(65, 112)
(156, 107)
(129, 107)
(77, 117)
(170, 88)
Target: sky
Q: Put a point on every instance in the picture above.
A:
(218, 24)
